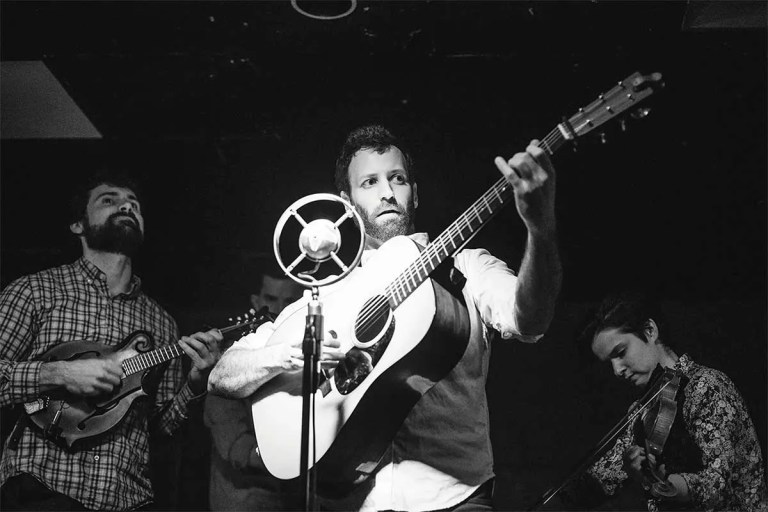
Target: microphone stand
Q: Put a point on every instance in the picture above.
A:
(311, 348)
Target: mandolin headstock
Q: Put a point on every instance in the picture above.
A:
(246, 323)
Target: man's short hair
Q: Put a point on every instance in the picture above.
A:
(81, 193)
(374, 137)
(268, 268)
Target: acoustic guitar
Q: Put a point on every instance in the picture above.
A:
(67, 418)
(402, 332)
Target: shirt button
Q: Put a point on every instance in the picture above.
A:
(96, 458)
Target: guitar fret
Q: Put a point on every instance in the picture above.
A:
(477, 214)
(423, 272)
(487, 205)
(413, 281)
(458, 233)
(501, 201)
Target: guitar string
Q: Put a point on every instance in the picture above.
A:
(550, 143)
(375, 312)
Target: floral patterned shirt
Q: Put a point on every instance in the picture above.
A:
(718, 453)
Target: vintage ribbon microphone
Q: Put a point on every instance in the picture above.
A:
(319, 241)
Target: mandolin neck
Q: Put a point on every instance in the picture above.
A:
(146, 360)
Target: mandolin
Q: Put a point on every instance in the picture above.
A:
(67, 418)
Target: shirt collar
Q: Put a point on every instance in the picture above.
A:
(93, 275)
(420, 238)
(684, 363)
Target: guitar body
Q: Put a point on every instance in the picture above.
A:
(424, 339)
(68, 417)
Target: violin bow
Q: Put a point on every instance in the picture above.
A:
(628, 418)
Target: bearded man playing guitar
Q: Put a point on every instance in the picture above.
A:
(98, 299)
(440, 456)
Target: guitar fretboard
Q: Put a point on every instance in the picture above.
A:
(461, 231)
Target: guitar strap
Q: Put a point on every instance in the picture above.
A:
(448, 276)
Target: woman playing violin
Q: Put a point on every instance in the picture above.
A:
(711, 458)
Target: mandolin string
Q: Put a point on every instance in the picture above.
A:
(140, 362)
(375, 312)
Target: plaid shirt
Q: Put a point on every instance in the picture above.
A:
(71, 303)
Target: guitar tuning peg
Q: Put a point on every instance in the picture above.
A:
(623, 125)
(603, 138)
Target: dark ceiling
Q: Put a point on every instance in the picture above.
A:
(230, 111)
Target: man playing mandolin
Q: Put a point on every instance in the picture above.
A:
(711, 458)
(95, 299)
(440, 456)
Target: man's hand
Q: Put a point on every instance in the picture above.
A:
(203, 349)
(329, 356)
(82, 377)
(532, 176)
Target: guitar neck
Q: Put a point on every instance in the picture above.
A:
(461, 231)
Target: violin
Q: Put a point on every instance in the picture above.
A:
(657, 410)
(655, 424)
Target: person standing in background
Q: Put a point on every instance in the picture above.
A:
(238, 478)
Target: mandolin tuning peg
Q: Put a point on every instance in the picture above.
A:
(640, 113)
(623, 125)
(603, 138)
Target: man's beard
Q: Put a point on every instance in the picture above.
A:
(403, 224)
(114, 235)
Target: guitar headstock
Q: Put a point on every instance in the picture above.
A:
(626, 95)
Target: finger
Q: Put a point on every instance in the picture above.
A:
(192, 348)
(113, 370)
(331, 343)
(536, 151)
(511, 174)
(111, 379)
(207, 338)
(333, 355)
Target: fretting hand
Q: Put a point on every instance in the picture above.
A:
(532, 176)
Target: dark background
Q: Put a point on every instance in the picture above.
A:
(231, 111)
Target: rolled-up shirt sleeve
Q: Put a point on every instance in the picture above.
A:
(19, 380)
(492, 285)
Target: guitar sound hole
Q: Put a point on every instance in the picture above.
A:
(375, 324)
(372, 319)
